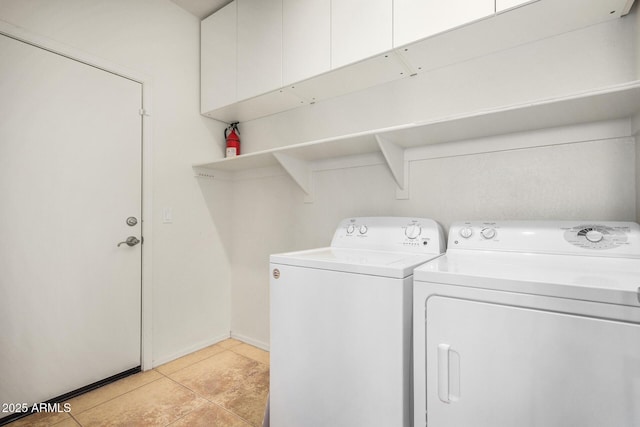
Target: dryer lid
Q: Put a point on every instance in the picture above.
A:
(598, 279)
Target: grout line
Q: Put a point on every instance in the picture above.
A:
(185, 415)
(113, 398)
(268, 365)
(197, 361)
(194, 363)
(75, 419)
(209, 400)
(195, 393)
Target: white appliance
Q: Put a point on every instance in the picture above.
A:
(529, 324)
(341, 325)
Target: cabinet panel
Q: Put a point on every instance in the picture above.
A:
(218, 59)
(306, 39)
(508, 4)
(495, 365)
(259, 47)
(359, 29)
(416, 19)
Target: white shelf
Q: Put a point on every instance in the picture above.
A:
(608, 103)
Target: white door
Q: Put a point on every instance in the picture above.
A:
(491, 365)
(70, 176)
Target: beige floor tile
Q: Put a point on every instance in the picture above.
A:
(233, 381)
(252, 352)
(155, 404)
(230, 342)
(41, 419)
(190, 359)
(67, 423)
(209, 415)
(103, 394)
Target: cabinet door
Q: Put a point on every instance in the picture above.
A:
(416, 19)
(494, 365)
(508, 4)
(359, 29)
(259, 47)
(218, 59)
(306, 39)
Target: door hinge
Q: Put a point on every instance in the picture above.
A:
(638, 293)
(143, 112)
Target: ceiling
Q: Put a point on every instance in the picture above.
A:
(201, 8)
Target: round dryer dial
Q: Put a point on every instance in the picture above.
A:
(412, 231)
(466, 232)
(488, 233)
(594, 236)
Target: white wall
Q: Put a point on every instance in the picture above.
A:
(192, 256)
(583, 180)
(636, 15)
(636, 132)
(154, 37)
(580, 180)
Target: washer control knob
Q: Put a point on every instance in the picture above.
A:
(594, 236)
(488, 233)
(412, 231)
(466, 232)
(363, 229)
(350, 229)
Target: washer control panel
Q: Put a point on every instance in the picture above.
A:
(597, 236)
(605, 238)
(405, 234)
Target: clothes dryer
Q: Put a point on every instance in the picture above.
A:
(341, 325)
(529, 324)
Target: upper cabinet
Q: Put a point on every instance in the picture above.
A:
(261, 57)
(306, 39)
(360, 29)
(502, 5)
(259, 34)
(416, 19)
(218, 59)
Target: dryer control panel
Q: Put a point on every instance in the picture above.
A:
(594, 238)
(404, 234)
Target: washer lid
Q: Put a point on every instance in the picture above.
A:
(358, 261)
(598, 279)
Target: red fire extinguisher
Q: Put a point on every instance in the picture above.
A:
(231, 135)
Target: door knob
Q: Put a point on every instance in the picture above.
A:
(131, 241)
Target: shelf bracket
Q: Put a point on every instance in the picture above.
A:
(398, 165)
(300, 172)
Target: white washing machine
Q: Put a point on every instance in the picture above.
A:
(530, 324)
(341, 325)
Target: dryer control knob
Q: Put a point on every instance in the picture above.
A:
(488, 233)
(466, 232)
(413, 231)
(350, 229)
(363, 229)
(594, 236)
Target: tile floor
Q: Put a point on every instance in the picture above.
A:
(223, 385)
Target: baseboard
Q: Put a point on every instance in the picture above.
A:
(191, 349)
(251, 341)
